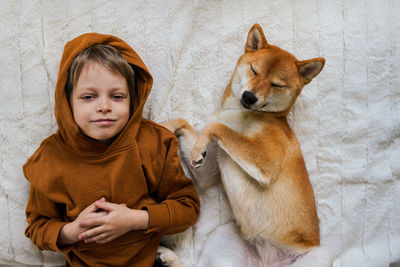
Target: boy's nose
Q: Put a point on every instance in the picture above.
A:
(104, 106)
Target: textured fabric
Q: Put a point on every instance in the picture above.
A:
(140, 168)
(347, 120)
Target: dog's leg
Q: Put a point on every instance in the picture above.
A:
(242, 149)
(180, 127)
(204, 177)
(166, 257)
(186, 135)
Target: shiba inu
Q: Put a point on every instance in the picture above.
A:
(260, 163)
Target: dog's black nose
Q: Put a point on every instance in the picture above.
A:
(249, 98)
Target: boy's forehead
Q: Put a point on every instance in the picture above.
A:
(97, 70)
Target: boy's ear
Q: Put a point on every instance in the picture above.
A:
(256, 39)
(308, 69)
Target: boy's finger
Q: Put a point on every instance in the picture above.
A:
(104, 205)
(92, 222)
(91, 233)
(93, 207)
(96, 238)
(100, 213)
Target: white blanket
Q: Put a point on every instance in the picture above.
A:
(346, 120)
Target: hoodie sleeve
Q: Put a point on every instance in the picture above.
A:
(44, 222)
(179, 203)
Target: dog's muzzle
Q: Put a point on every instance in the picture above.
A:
(248, 99)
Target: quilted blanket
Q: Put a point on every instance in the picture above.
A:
(347, 120)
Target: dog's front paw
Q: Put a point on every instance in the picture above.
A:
(199, 149)
(167, 257)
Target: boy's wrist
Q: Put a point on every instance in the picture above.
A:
(146, 219)
(139, 219)
(67, 235)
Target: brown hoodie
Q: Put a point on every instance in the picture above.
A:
(70, 171)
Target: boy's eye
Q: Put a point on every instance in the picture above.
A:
(118, 97)
(87, 97)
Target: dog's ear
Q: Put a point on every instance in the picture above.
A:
(308, 69)
(256, 39)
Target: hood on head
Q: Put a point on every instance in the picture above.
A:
(68, 133)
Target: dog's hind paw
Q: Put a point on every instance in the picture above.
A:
(196, 163)
(166, 257)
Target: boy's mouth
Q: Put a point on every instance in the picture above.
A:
(104, 122)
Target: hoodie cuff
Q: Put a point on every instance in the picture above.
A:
(159, 218)
(53, 233)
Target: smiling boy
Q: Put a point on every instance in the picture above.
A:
(108, 183)
(100, 102)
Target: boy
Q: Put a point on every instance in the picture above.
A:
(108, 183)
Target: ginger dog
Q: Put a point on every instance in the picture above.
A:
(260, 163)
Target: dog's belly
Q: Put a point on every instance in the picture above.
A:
(250, 203)
(259, 210)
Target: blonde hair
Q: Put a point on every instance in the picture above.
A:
(107, 56)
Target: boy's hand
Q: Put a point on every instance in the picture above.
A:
(69, 234)
(117, 222)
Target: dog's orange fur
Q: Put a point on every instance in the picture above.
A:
(276, 152)
(257, 139)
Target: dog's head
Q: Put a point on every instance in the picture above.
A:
(268, 78)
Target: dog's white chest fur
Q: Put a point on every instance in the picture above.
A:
(237, 119)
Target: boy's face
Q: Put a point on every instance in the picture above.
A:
(100, 102)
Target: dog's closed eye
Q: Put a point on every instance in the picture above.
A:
(278, 85)
(252, 69)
